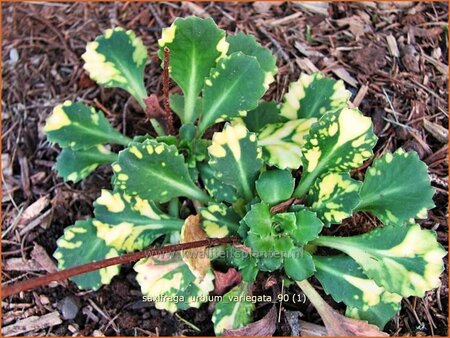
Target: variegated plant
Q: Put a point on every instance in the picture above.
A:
(243, 181)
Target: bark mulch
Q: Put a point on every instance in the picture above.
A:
(393, 57)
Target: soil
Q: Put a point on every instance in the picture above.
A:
(392, 56)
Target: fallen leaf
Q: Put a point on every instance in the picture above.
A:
(197, 259)
(266, 326)
(225, 280)
(370, 59)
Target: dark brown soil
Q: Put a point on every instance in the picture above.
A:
(41, 49)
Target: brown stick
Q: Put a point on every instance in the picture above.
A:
(166, 79)
(123, 259)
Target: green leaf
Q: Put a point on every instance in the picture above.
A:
(77, 126)
(306, 228)
(275, 186)
(233, 88)
(74, 165)
(233, 311)
(247, 45)
(282, 142)
(170, 284)
(265, 113)
(339, 142)
(195, 46)
(314, 95)
(379, 314)
(343, 279)
(130, 223)
(216, 188)
(154, 171)
(397, 188)
(334, 197)
(219, 220)
(299, 265)
(227, 158)
(177, 104)
(245, 262)
(117, 59)
(80, 245)
(403, 260)
(268, 236)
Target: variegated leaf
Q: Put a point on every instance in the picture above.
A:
(81, 245)
(155, 171)
(216, 188)
(282, 142)
(74, 165)
(247, 44)
(78, 126)
(314, 95)
(130, 223)
(339, 142)
(397, 188)
(219, 220)
(233, 87)
(169, 282)
(334, 197)
(195, 45)
(343, 279)
(266, 113)
(233, 311)
(227, 153)
(403, 260)
(117, 59)
(275, 186)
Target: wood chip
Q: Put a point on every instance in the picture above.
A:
(34, 210)
(306, 65)
(18, 264)
(360, 96)
(285, 20)
(40, 255)
(439, 133)
(310, 329)
(392, 45)
(440, 66)
(32, 323)
(195, 9)
(317, 7)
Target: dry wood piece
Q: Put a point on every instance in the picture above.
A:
(18, 264)
(439, 133)
(32, 323)
(34, 210)
(392, 45)
(309, 329)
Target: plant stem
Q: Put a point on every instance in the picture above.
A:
(123, 259)
(303, 186)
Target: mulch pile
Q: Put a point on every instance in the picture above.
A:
(392, 57)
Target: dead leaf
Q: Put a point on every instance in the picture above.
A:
(356, 25)
(153, 108)
(225, 280)
(266, 326)
(197, 259)
(34, 210)
(410, 59)
(370, 59)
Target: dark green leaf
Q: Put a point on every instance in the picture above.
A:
(80, 245)
(397, 188)
(275, 186)
(154, 171)
(195, 45)
(117, 59)
(77, 126)
(233, 88)
(265, 113)
(74, 165)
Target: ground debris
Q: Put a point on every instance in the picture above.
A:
(32, 323)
